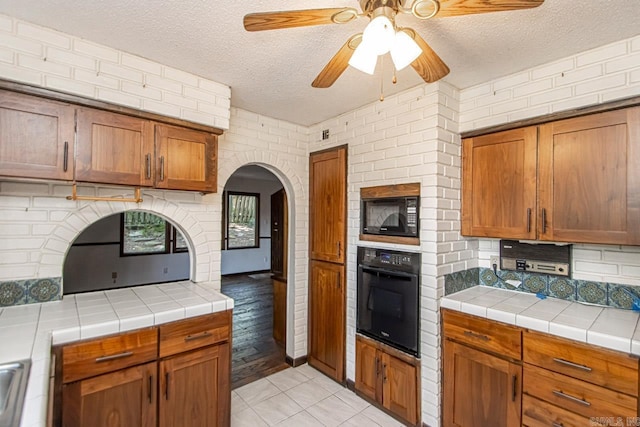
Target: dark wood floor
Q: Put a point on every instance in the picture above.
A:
(255, 352)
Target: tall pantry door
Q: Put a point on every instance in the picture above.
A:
(327, 287)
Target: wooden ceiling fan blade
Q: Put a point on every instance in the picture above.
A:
(470, 7)
(429, 65)
(337, 64)
(298, 18)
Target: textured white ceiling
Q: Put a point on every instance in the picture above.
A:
(270, 72)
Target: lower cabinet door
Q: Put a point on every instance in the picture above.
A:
(122, 398)
(195, 388)
(480, 389)
(399, 387)
(367, 369)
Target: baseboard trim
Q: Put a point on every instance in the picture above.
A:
(297, 361)
(351, 385)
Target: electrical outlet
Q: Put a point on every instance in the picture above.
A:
(495, 259)
(165, 270)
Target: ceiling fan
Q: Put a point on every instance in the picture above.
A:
(381, 34)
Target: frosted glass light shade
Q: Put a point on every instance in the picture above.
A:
(379, 34)
(364, 58)
(404, 50)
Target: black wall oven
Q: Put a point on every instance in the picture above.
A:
(388, 297)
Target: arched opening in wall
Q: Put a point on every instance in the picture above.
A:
(131, 248)
(254, 271)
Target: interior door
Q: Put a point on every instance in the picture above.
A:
(279, 234)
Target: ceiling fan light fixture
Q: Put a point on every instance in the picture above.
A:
(404, 51)
(380, 34)
(364, 58)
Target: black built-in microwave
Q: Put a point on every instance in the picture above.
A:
(390, 216)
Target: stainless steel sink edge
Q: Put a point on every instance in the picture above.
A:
(14, 388)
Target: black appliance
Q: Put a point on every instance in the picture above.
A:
(388, 297)
(535, 258)
(390, 216)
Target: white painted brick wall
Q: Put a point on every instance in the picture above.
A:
(600, 75)
(43, 57)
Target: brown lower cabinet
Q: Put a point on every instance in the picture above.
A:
(388, 377)
(174, 375)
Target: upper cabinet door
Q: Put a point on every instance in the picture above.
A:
(186, 159)
(36, 137)
(114, 148)
(499, 184)
(589, 179)
(327, 201)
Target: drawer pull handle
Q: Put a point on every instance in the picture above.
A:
(571, 398)
(114, 356)
(205, 334)
(477, 336)
(571, 364)
(555, 424)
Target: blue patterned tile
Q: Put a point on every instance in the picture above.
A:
(13, 292)
(535, 283)
(622, 296)
(43, 290)
(460, 280)
(592, 292)
(563, 288)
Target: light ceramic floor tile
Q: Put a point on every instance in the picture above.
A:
(257, 391)
(247, 418)
(301, 419)
(308, 394)
(359, 420)
(308, 371)
(287, 379)
(276, 409)
(327, 383)
(331, 411)
(351, 399)
(237, 403)
(381, 418)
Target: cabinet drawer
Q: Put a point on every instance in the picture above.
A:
(196, 332)
(98, 356)
(577, 396)
(610, 369)
(538, 413)
(498, 338)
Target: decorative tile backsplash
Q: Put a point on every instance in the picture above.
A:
(18, 292)
(611, 294)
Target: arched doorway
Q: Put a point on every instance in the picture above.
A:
(254, 270)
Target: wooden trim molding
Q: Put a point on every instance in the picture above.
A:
(88, 102)
(296, 362)
(397, 190)
(390, 239)
(568, 114)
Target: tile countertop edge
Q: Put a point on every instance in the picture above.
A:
(197, 299)
(612, 328)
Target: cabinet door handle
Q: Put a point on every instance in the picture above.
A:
(571, 364)
(205, 334)
(477, 336)
(114, 356)
(377, 367)
(148, 165)
(555, 424)
(161, 168)
(514, 388)
(338, 245)
(529, 220)
(571, 398)
(65, 159)
(149, 391)
(166, 386)
(384, 372)
(544, 220)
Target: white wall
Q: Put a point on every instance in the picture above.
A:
(254, 259)
(38, 224)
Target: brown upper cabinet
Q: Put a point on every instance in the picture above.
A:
(114, 148)
(36, 137)
(574, 180)
(328, 201)
(185, 159)
(42, 138)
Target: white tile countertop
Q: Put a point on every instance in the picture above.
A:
(608, 327)
(29, 331)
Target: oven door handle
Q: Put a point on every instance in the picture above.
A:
(375, 270)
